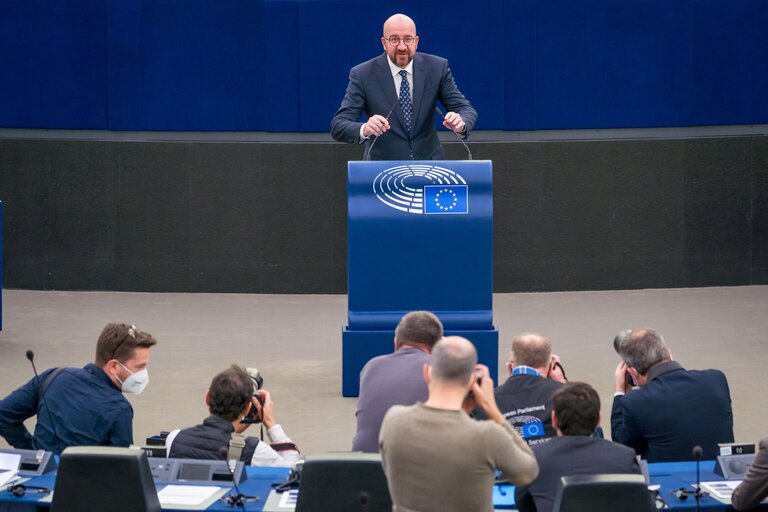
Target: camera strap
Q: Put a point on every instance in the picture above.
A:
(236, 445)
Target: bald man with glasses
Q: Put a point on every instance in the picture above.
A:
(398, 92)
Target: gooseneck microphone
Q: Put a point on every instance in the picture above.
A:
(240, 498)
(367, 154)
(697, 453)
(469, 153)
(31, 357)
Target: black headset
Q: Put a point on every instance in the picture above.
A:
(20, 490)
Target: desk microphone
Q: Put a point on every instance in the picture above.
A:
(697, 453)
(239, 499)
(31, 357)
(367, 155)
(469, 153)
(682, 493)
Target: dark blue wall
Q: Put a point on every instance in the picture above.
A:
(282, 65)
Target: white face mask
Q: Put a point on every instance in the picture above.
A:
(136, 381)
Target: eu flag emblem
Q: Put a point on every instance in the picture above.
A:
(446, 199)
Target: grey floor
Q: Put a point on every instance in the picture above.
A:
(295, 340)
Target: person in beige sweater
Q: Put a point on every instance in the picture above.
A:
(754, 488)
(437, 458)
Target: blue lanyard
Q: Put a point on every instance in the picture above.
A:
(525, 370)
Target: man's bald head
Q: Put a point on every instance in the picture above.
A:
(398, 22)
(453, 360)
(399, 39)
(531, 349)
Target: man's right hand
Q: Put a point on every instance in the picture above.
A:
(620, 378)
(376, 125)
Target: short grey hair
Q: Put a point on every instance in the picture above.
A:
(531, 349)
(642, 349)
(453, 360)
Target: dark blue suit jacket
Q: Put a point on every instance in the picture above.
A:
(675, 411)
(571, 455)
(371, 90)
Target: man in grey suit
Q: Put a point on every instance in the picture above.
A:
(395, 379)
(575, 416)
(398, 91)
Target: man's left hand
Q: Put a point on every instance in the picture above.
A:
(453, 121)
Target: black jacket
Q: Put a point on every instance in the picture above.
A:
(571, 455)
(206, 441)
(526, 403)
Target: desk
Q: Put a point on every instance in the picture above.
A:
(672, 476)
(259, 483)
(669, 475)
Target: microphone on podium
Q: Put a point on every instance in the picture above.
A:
(469, 153)
(367, 154)
(31, 357)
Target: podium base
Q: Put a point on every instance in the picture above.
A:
(358, 347)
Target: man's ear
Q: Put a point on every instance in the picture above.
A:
(634, 374)
(510, 366)
(554, 420)
(208, 398)
(427, 371)
(395, 344)
(112, 367)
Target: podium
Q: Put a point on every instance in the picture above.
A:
(420, 237)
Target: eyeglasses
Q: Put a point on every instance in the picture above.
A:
(395, 41)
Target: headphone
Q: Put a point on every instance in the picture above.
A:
(20, 490)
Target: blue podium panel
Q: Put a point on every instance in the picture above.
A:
(359, 347)
(420, 238)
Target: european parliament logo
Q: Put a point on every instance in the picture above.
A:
(422, 189)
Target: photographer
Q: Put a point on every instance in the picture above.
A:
(235, 402)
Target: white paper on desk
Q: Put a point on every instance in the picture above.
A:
(289, 499)
(721, 490)
(9, 461)
(186, 494)
(7, 476)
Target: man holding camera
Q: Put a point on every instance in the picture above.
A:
(525, 399)
(434, 455)
(673, 409)
(235, 402)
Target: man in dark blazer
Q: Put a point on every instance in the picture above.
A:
(674, 409)
(575, 416)
(525, 399)
(400, 116)
(754, 488)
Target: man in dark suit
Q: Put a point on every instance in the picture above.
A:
(674, 409)
(575, 416)
(398, 91)
(525, 399)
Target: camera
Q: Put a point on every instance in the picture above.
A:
(617, 341)
(254, 415)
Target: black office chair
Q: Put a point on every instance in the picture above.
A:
(343, 482)
(606, 493)
(104, 478)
